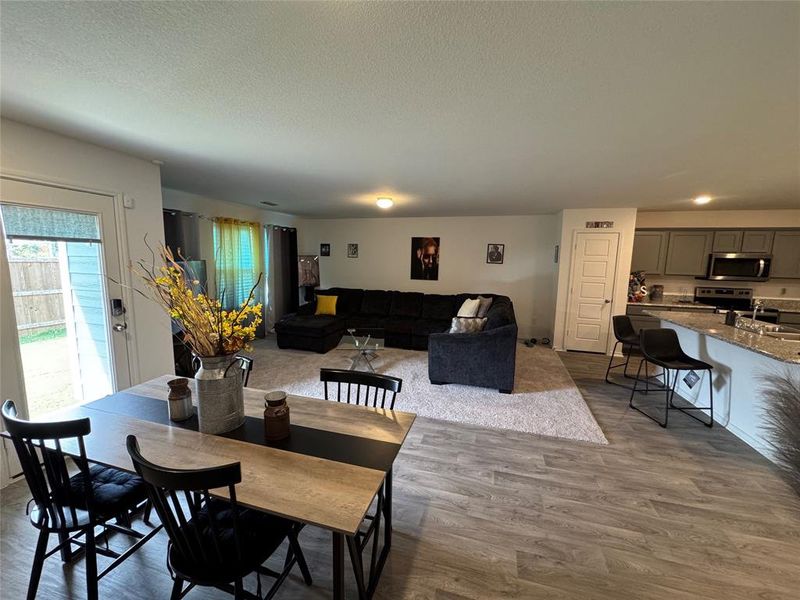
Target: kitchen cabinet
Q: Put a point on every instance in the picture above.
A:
(649, 251)
(757, 240)
(728, 240)
(687, 252)
(743, 240)
(786, 254)
(789, 318)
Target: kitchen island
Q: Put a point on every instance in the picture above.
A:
(743, 364)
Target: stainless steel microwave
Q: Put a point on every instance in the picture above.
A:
(739, 266)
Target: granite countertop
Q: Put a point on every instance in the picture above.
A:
(670, 301)
(673, 300)
(714, 325)
(783, 304)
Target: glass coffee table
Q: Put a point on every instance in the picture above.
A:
(365, 343)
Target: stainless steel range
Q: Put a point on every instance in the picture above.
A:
(738, 299)
(724, 298)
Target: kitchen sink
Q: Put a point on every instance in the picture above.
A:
(786, 336)
(782, 332)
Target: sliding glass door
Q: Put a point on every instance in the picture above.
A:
(65, 272)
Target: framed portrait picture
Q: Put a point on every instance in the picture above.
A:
(324, 249)
(495, 253)
(425, 258)
(352, 250)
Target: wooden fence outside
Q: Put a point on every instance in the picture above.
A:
(38, 297)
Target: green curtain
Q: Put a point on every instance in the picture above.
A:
(237, 246)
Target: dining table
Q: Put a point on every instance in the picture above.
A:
(337, 460)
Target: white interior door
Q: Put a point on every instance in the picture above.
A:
(63, 255)
(594, 268)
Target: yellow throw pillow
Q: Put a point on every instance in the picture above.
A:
(326, 305)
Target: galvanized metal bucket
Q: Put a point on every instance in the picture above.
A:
(220, 399)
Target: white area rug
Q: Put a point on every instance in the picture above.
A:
(545, 399)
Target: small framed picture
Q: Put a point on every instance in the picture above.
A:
(495, 254)
(324, 249)
(352, 250)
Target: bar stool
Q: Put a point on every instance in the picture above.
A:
(626, 335)
(660, 347)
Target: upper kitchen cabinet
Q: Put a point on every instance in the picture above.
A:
(728, 240)
(687, 252)
(649, 251)
(786, 254)
(741, 240)
(757, 240)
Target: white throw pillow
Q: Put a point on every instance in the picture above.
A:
(469, 308)
(467, 325)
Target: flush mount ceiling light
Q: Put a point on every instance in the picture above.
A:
(385, 203)
(704, 199)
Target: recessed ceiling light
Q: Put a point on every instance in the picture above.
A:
(385, 203)
(702, 199)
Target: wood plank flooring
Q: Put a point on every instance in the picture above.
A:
(686, 513)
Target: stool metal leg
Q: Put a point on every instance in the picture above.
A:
(665, 388)
(611, 360)
(685, 410)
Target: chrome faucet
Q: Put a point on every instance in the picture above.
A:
(757, 303)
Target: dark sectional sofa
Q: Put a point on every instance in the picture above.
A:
(416, 321)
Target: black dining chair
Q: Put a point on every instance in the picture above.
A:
(245, 364)
(214, 542)
(71, 505)
(661, 348)
(626, 335)
(359, 385)
(370, 390)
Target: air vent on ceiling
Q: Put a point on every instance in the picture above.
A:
(269, 203)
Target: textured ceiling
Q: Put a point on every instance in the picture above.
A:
(451, 108)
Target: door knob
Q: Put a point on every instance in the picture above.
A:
(607, 301)
(119, 326)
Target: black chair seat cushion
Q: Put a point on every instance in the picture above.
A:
(260, 535)
(114, 491)
(311, 325)
(682, 363)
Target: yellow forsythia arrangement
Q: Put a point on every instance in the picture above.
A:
(208, 329)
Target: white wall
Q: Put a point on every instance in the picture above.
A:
(209, 208)
(12, 378)
(48, 157)
(723, 219)
(385, 255)
(573, 220)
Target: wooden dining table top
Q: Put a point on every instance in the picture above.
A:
(326, 474)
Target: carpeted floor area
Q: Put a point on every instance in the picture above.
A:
(545, 399)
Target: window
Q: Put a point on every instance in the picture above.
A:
(237, 247)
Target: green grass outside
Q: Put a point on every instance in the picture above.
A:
(42, 335)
